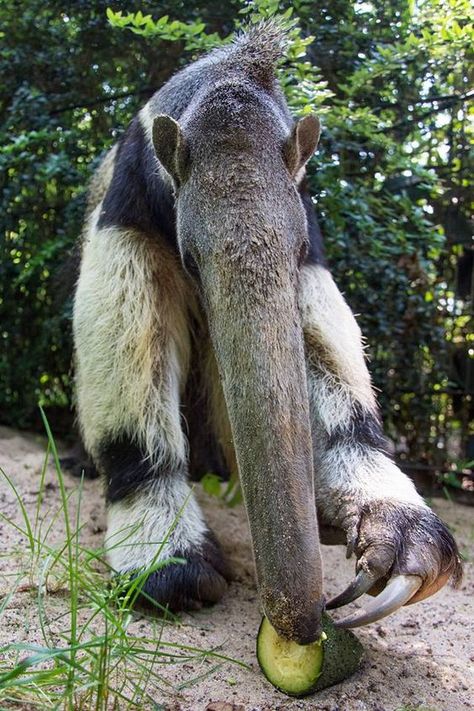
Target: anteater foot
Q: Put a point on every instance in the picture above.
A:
(200, 581)
(79, 467)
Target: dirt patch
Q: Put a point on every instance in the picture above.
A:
(420, 657)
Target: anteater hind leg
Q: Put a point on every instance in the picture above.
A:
(132, 343)
(359, 489)
(205, 450)
(219, 423)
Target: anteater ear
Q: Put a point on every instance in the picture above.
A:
(171, 148)
(302, 143)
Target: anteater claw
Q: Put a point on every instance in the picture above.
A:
(409, 546)
(397, 592)
(360, 585)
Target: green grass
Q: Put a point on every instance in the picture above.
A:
(90, 655)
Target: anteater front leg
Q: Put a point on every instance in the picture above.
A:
(132, 350)
(359, 489)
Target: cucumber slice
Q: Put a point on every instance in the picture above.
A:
(293, 668)
(299, 670)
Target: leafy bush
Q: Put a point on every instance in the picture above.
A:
(390, 179)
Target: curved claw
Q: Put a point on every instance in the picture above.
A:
(362, 582)
(396, 593)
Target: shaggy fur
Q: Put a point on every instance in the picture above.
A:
(132, 342)
(147, 527)
(358, 487)
(203, 294)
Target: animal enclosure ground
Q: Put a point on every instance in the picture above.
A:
(422, 657)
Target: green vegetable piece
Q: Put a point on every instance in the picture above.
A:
(299, 670)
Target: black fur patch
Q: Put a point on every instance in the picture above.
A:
(315, 254)
(364, 430)
(201, 580)
(138, 197)
(78, 463)
(205, 453)
(126, 469)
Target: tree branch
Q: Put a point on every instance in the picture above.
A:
(453, 100)
(103, 100)
(448, 98)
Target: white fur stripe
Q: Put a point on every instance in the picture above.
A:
(331, 401)
(333, 345)
(347, 475)
(146, 119)
(132, 342)
(354, 474)
(164, 516)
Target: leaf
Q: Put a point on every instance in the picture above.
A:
(211, 483)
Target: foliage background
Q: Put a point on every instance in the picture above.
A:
(392, 81)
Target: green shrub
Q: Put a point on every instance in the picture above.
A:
(390, 178)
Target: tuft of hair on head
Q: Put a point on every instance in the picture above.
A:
(257, 48)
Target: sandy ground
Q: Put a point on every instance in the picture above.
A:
(420, 658)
